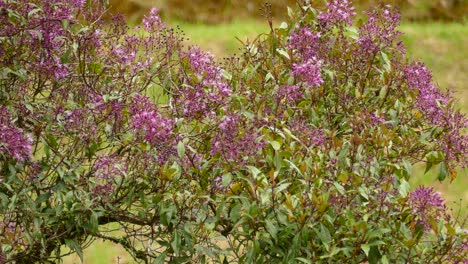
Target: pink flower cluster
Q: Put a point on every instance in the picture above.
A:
(107, 168)
(426, 204)
(42, 32)
(13, 142)
(153, 21)
(312, 137)
(233, 142)
(380, 30)
(430, 99)
(435, 107)
(209, 91)
(110, 166)
(339, 11)
(309, 71)
(375, 119)
(292, 93)
(305, 42)
(148, 123)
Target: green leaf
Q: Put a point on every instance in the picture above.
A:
(175, 244)
(283, 53)
(226, 179)
(93, 222)
(353, 32)
(408, 167)
(269, 76)
(11, 169)
(377, 233)
(73, 245)
(51, 141)
(443, 171)
(324, 236)
(304, 260)
(383, 92)
(329, 73)
(404, 188)
(272, 229)
(226, 75)
(180, 149)
(91, 150)
(364, 192)
(429, 165)
(34, 11)
(161, 259)
(95, 68)
(42, 198)
(282, 186)
(366, 249)
(340, 188)
(387, 64)
(290, 12)
(255, 172)
(374, 255)
(276, 145)
(294, 166)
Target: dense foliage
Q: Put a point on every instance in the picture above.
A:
(298, 151)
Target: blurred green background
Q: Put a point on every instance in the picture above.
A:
(215, 11)
(436, 33)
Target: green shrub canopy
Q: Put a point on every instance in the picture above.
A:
(298, 151)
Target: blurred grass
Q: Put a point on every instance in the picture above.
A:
(221, 39)
(216, 11)
(443, 47)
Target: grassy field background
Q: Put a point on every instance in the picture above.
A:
(443, 47)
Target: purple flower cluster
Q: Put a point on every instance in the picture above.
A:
(148, 123)
(380, 30)
(107, 168)
(13, 142)
(126, 54)
(110, 166)
(309, 135)
(153, 22)
(80, 122)
(309, 72)
(209, 92)
(375, 119)
(339, 11)
(435, 106)
(132, 53)
(291, 93)
(305, 42)
(426, 204)
(42, 32)
(233, 142)
(430, 99)
(110, 110)
(454, 142)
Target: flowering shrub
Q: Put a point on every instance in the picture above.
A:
(297, 151)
